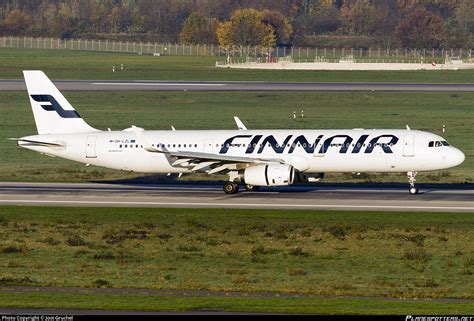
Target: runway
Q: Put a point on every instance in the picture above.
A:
(205, 196)
(7, 85)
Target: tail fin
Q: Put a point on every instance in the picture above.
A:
(53, 113)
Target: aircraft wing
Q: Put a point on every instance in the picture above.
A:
(217, 157)
(212, 163)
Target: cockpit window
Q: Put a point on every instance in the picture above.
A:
(438, 143)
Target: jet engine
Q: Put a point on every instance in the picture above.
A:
(269, 175)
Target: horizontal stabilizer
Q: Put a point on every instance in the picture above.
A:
(36, 142)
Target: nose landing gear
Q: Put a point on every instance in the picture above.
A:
(411, 180)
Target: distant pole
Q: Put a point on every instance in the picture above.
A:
(121, 66)
(302, 113)
(444, 128)
(294, 114)
(113, 68)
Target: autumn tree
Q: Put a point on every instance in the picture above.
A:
(281, 25)
(358, 17)
(421, 29)
(198, 29)
(246, 28)
(16, 22)
(464, 15)
(325, 18)
(120, 19)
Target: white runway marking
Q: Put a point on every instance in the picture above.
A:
(242, 205)
(155, 84)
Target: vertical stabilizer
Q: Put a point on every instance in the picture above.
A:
(53, 113)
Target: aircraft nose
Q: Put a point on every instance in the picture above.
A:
(456, 157)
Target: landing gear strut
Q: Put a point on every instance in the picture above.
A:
(231, 188)
(411, 180)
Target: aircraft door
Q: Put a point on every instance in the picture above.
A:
(409, 146)
(90, 147)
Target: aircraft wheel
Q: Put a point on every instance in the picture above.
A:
(231, 188)
(251, 188)
(413, 190)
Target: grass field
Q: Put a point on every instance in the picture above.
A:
(271, 305)
(202, 110)
(62, 64)
(373, 254)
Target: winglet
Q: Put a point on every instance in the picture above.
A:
(239, 123)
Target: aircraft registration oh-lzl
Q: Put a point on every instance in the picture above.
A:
(251, 157)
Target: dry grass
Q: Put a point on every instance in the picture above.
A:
(370, 254)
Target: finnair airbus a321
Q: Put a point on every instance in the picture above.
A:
(252, 157)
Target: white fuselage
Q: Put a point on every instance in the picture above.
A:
(309, 151)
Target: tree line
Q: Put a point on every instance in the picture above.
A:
(338, 23)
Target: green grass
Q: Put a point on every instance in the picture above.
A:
(203, 110)
(271, 305)
(62, 64)
(373, 254)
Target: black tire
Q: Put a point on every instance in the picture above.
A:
(413, 190)
(231, 188)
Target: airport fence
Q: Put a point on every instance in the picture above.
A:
(270, 54)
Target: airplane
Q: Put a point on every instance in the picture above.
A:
(253, 158)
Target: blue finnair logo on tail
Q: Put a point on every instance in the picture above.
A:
(53, 105)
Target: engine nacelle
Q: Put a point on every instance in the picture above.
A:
(309, 177)
(269, 175)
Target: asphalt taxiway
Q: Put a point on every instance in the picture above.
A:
(206, 196)
(144, 85)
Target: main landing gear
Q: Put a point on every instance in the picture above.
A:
(411, 180)
(231, 188)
